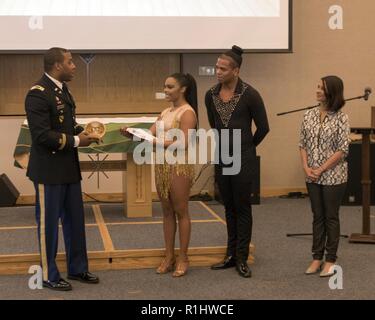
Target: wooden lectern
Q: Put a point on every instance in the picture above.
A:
(137, 187)
(365, 236)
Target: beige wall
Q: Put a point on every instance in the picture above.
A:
(286, 81)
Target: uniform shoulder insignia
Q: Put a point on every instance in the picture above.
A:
(38, 88)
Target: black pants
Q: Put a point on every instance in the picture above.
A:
(325, 205)
(236, 194)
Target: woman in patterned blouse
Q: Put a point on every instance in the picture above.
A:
(324, 146)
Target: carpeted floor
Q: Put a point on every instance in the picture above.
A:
(278, 272)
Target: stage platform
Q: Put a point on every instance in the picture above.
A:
(114, 242)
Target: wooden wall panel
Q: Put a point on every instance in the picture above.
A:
(124, 83)
(17, 72)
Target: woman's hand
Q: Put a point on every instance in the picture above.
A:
(318, 172)
(311, 174)
(125, 133)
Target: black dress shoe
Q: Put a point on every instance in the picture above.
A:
(243, 270)
(228, 262)
(60, 285)
(85, 277)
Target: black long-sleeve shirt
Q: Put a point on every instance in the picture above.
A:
(245, 106)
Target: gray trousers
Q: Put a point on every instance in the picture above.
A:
(325, 205)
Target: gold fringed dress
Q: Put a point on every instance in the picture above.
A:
(164, 172)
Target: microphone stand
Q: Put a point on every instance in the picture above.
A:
(365, 96)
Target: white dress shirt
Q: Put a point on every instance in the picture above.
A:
(59, 84)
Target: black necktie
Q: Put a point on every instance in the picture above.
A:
(66, 93)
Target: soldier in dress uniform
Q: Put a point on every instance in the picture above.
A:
(54, 169)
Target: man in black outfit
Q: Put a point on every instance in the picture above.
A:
(55, 171)
(233, 104)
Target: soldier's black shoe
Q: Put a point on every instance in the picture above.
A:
(60, 285)
(228, 262)
(243, 270)
(85, 277)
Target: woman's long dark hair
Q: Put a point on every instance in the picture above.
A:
(334, 92)
(187, 80)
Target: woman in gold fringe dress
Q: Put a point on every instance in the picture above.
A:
(174, 181)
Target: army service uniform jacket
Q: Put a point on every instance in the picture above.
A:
(51, 118)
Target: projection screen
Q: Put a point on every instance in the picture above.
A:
(158, 25)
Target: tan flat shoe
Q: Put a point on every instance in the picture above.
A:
(329, 273)
(312, 270)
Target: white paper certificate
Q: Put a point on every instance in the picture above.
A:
(141, 133)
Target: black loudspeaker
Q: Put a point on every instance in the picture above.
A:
(8, 192)
(255, 192)
(353, 194)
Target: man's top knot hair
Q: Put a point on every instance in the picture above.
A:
(236, 55)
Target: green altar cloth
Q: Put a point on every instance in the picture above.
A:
(113, 142)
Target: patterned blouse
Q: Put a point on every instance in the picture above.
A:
(322, 140)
